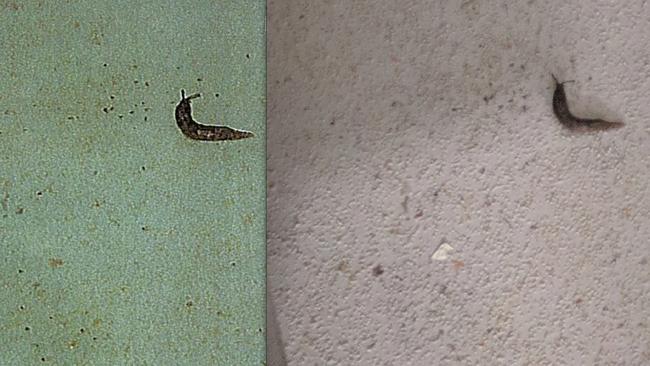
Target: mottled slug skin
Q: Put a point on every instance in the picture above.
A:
(197, 131)
(563, 114)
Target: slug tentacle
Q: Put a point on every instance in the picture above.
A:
(564, 115)
(197, 131)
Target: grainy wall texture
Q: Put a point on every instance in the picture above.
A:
(424, 205)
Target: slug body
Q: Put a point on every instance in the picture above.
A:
(197, 131)
(563, 114)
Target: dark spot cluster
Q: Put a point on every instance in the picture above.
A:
(110, 107)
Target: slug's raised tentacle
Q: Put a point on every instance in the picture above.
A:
(563, 82)
(197, 131)
(564, 115)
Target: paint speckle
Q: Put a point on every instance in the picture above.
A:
(457, 264)
(442, 253)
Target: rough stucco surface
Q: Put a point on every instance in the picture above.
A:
(396, 127)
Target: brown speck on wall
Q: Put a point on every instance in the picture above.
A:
(55, 262)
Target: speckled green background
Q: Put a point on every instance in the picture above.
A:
(122, 241)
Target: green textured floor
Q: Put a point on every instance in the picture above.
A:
(121, 240)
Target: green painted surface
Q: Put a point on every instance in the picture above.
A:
(122, 241)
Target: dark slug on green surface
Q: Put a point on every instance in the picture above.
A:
(197, 131)
(564, 115)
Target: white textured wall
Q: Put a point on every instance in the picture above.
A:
(397, 126)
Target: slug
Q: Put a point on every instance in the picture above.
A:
(197, 131)
(566, 118)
